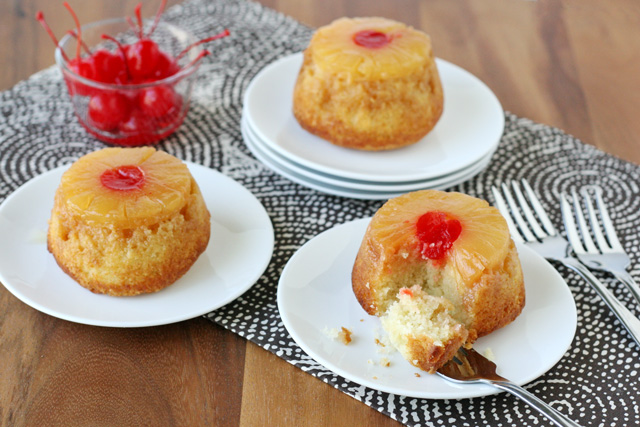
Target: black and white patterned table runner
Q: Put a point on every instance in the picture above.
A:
(595, 383)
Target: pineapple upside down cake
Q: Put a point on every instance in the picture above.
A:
(127, 221)
(368, 84)
(441, 270)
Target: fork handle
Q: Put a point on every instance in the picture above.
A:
(628, 320)
(545, 409)
(631, 284)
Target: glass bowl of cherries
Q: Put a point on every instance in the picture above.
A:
(130, 83)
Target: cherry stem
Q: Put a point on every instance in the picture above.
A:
(84, 45)
(198, 58)
(157, 18)
(75, 18)
(139, 17)
(131, 24)
(225, 33)
(121, 49)
(40, 19)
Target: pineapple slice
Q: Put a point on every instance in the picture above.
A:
(483, 239)
(126, 187)
(370, 48)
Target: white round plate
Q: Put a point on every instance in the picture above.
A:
(470, 128)
(239, 250)
(336, 190)
(340, 190)
(445, 180)
(315, 293)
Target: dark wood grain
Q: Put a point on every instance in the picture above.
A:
(572, 64)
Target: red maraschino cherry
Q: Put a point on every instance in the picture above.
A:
(158, 101)
(123, 178)
(124, 76)
(371, 39)
(108, 67)
(142, 57)
(436, 231)
(166, 66)
(108, 109)
(136, 124)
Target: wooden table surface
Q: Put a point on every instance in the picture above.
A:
(573, 64)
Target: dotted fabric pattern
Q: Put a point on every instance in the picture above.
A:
(595, 383)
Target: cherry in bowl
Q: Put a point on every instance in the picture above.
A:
(128, 89)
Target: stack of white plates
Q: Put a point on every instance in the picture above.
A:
(458, 148)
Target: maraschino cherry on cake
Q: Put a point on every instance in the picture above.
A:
(456, 249)
(127, 221)
(368, 84)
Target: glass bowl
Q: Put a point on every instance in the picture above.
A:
(138, 110)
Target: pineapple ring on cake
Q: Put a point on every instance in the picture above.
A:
(452, 246)
(369, 84)
(127, 221)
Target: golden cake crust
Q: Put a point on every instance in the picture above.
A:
(110, 256)
(368, 99)
(485, 299)
(426, 355)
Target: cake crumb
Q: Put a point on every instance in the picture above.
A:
(343, 334)
(417, 375)
(385, 362)
(383, 342)
(370, 362)
(330, 332)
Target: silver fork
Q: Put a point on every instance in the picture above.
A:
(469, 366)
(549, 244)
(606, 253)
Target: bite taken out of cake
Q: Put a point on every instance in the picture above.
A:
(453, 254)
(368, 84)
(127, 221)
(422, 329)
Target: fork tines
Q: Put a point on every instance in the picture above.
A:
(608, 244)
(531, 221)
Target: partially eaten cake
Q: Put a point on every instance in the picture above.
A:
(441, 270)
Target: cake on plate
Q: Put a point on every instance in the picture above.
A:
(368, 84)
(127, 221)
(456, 249)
